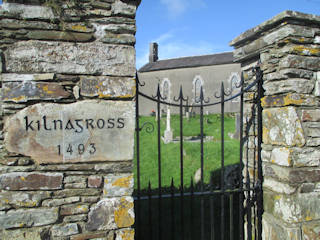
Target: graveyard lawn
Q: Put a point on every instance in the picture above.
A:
(170, 153)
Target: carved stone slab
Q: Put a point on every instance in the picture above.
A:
(85, 131)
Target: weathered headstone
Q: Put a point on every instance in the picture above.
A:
(156, 116)
(197, 176)
(188, 115)
(168, 134)
(236, 134)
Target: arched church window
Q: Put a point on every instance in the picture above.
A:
(166, 89)
(234, 82)
(197, 84)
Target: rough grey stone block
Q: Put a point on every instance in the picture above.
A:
(28, 217)
(63, 57)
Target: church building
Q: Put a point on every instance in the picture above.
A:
(192, 73)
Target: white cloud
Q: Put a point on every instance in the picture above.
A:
(178, 7)
(164, 37)
(175, 7)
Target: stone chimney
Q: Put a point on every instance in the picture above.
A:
(153, 52)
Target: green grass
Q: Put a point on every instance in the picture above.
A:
(170, 153)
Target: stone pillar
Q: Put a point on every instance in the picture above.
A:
(288, 47)
(67, 119)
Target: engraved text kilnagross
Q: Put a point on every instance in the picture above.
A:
(86, 131)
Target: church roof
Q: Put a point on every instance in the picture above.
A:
(187, 62)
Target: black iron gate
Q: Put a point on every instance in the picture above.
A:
(203, 210)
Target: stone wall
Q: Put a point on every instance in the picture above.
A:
(67, 119)
(288, 47)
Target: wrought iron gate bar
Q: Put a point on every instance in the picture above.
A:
(248, 193)
(181, 162)
(231, 216)
(212, 228)
(172, 209)
(241, 195)
(159, 163)
(149, 211)
(201, 162)
(138, 159)
(248, 198)
(259, 77)
(251, 85)
(254, 174)
(192, 209)
(222, 160)
(187, 194)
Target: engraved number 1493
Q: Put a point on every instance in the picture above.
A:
(80, 149)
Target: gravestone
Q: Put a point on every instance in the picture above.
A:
(168, 134)
(236, 134)
(188, 115)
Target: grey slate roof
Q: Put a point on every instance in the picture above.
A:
(186, 62)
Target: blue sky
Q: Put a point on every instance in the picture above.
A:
(197, 27)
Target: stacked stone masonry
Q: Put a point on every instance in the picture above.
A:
(288, 50)
(59, 59)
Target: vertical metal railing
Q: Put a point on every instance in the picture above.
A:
(241, 194)
(220, 205)
(212, 227)
(252, 141)
(231, 226)
(150, 223)
(172, 210)
(259, 76)
(222, 93)
(138, 161)
(181, 99)
(159, 98)
(201, 164)
(192, 209)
